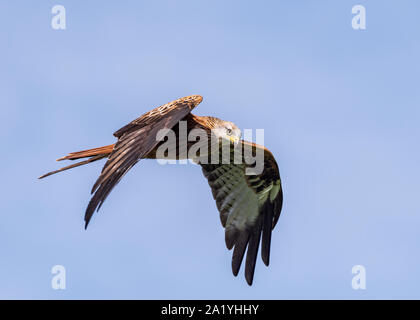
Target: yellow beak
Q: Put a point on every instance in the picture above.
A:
(234, 140)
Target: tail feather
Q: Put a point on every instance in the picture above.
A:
(93, 154)
(81, 163)
(88, 153)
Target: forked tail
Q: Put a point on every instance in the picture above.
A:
(93, 155)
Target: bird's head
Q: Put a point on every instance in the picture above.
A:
(227, 130)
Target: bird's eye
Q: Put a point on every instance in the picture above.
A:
(229, 131)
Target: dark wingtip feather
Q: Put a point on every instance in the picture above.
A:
(268, 212)
(90, 210)
(230, 237)
(249, 274)
(266, 260)
(252, 252)
(239, 252)
(88, 216)
(96, 185)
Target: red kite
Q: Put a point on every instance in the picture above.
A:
(249, 204)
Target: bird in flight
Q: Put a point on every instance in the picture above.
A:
(249, 204)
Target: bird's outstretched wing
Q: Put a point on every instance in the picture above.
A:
(135, 141)
(249, 206)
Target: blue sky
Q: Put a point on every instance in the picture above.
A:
(340, 110)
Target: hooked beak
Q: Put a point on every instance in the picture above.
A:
(234, 140)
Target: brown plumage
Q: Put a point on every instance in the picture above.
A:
(249, 205)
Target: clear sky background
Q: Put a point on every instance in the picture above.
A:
(340, 110)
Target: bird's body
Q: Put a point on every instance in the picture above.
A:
(249, 205)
